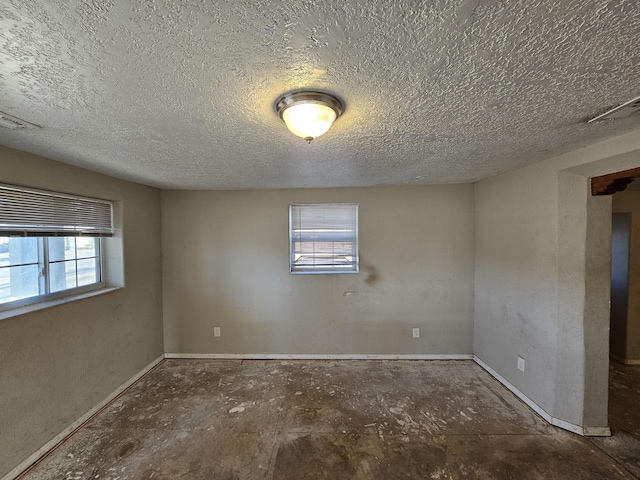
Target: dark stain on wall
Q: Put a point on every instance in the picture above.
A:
(373, 276)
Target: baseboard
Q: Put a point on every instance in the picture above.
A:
(596, 431)
(625, 361)
(51, 444)
(556, 422)
(313, 356)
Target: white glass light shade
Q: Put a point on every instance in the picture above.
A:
(308, 120)
(308, 114)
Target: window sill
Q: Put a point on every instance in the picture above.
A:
(34, 307)
(322, 272)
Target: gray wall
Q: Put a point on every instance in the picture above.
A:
(629, 202)
(542, 272)
(515, 279)
(620, 240)
(225, 263)
(59, 362)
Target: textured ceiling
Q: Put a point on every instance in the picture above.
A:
(180, 94)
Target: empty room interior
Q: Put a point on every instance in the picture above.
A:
(319, 240)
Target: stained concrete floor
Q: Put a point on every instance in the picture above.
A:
(228, 420)
(624, 417)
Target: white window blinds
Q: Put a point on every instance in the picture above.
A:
(323, 238)
(28, 212)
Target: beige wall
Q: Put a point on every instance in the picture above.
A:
(59, 362)
(515, 278)
(542, 278)
(225, 263)
(629, 202)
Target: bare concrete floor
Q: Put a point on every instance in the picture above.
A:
(227, 420)
(624, 417)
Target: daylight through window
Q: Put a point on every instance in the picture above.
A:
(49, 244)
(34, 266)
(323, 238)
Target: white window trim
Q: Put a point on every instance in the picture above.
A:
(52, 302)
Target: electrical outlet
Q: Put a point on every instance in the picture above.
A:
(521, 364)
(416, 333)
(216, 331)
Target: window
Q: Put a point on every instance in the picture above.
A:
(34, 266)
(323, 238)
(50, 244)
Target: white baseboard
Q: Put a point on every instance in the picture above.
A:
(313, 356)
(626, 361)
(47, 447)
(556, 422)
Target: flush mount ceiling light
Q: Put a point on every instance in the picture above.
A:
(308, 114)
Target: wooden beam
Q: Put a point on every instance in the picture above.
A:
(613, 182)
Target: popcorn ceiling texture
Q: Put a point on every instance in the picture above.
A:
(180, 94)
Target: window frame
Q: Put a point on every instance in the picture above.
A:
(326, 270)
(43, 259)
(44, 214)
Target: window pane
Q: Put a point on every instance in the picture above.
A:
(87, 273)
(4, 251)
(63, 275)
(62, 248)
(86, 247)
(18, 282)
(18, 250)
(22, 268)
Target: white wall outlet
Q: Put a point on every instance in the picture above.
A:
(416, 333)
(216, 331)
(521, 364)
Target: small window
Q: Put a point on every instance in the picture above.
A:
(323, 238)
(50, 244)
(39, 266)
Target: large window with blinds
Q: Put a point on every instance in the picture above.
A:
(50, 244)
(323, 238)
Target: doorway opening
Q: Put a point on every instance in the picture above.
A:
(624, 333)
(620, 251)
